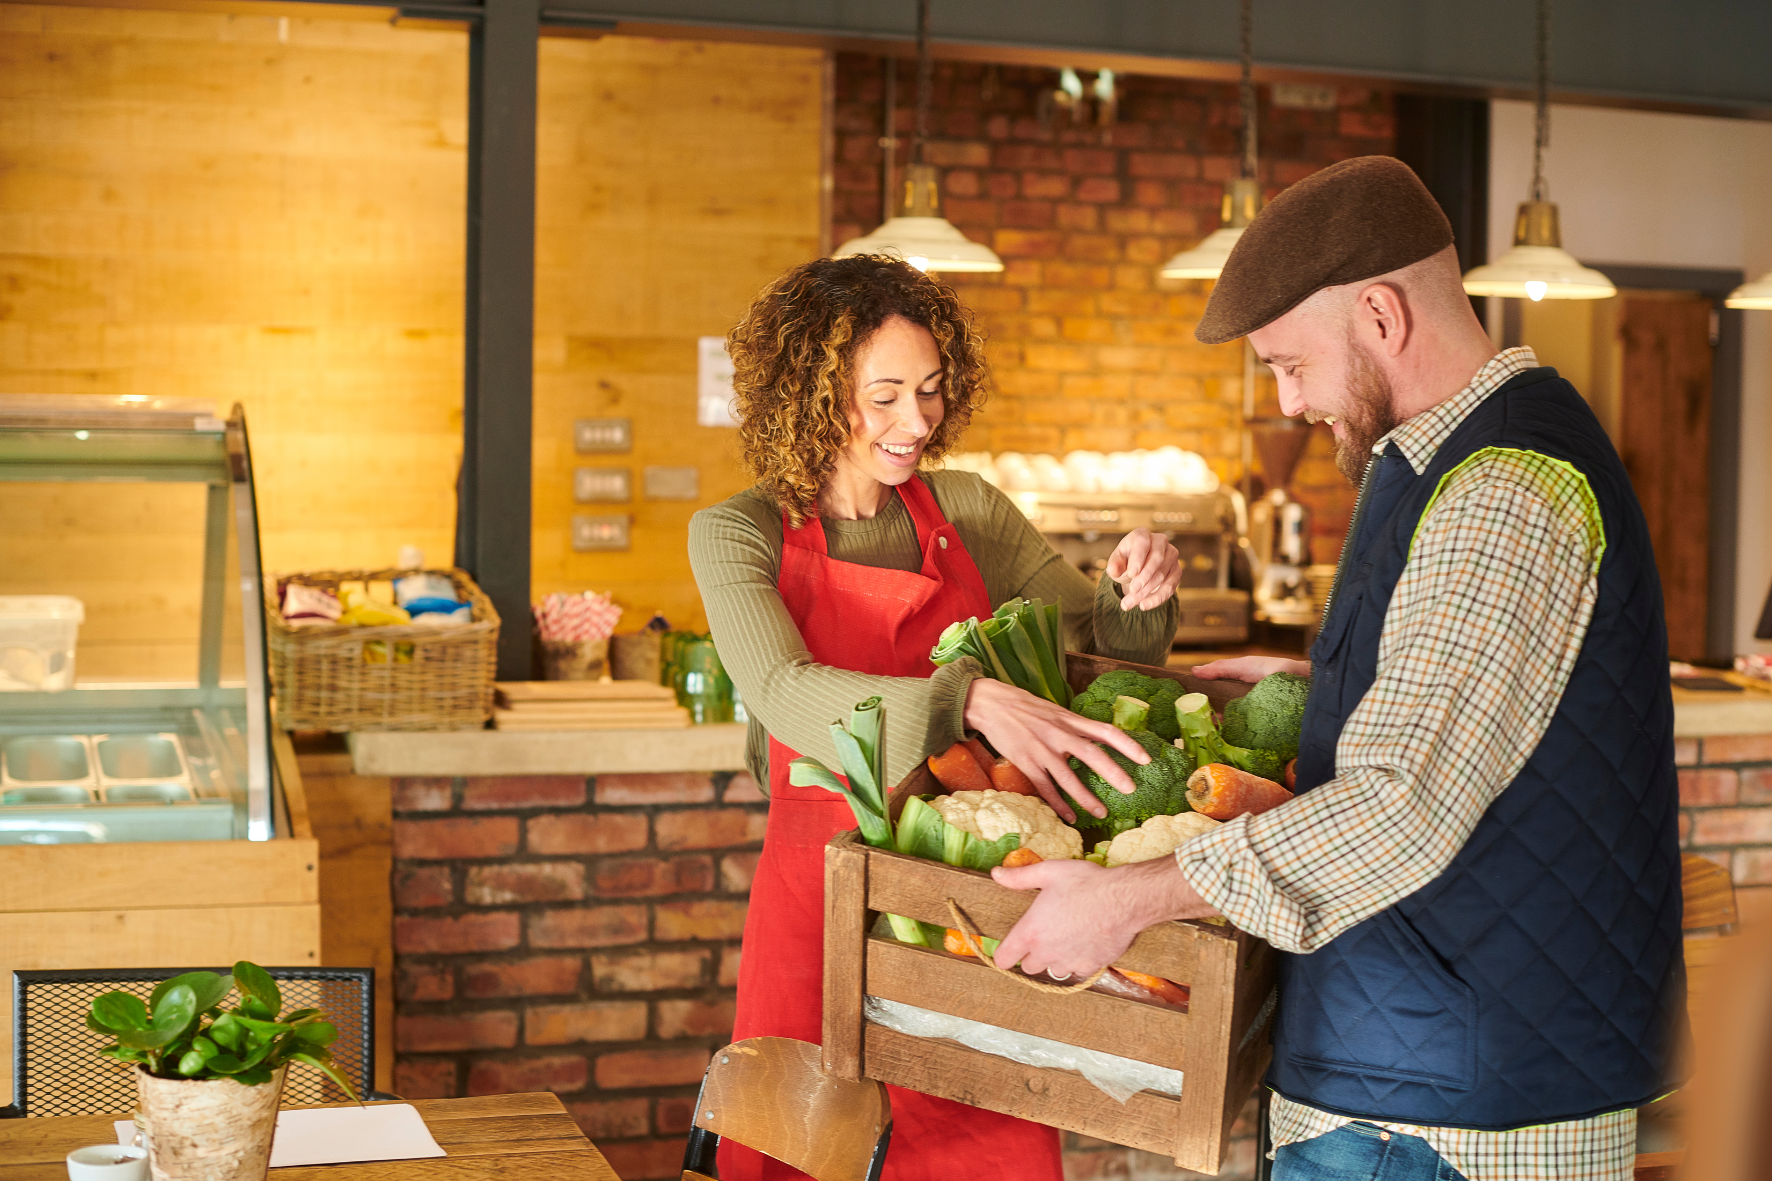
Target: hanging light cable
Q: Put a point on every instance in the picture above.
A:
(1538, 267)
(918, 233)
(1242, 196)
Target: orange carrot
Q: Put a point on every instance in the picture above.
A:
(1168, 990)
(981, 752)
(955, 942)
(957, 770)
(1006, 776)
(1224, 793)
(1017, 858)
(1292, 775)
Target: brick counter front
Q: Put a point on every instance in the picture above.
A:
(573, 935)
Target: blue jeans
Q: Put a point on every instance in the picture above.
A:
(1362, 1152)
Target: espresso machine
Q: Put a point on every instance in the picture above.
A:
(1203, 527)
(1279, 530)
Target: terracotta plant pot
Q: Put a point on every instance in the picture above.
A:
(209, 1129)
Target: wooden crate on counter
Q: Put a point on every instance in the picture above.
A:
(1219, 1042)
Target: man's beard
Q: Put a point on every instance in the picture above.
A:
(1370, 415)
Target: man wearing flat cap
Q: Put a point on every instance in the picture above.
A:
(1476, 891)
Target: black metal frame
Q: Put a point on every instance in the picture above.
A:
(364, 978)
(699, 1152)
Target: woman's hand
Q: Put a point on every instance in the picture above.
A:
(1250, 668)
(1040, 737)
(1147, 568)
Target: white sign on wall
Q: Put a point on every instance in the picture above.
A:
(713, 384)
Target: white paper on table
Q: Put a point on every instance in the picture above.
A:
(341, 1135)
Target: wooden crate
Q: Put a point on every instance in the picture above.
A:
(1220, 1043)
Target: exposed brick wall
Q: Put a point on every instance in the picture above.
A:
(1089, 348)
(554, 933)
(1726, 812)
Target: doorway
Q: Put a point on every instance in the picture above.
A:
(1660, 364)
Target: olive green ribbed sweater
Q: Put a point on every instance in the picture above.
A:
(735, 551)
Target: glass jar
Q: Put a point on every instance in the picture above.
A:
(700, 680)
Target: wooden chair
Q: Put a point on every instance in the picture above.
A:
(1709, 895)
(772, 1094)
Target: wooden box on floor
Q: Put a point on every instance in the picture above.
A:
(1219, 1043)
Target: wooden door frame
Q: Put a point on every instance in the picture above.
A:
(1714, 283)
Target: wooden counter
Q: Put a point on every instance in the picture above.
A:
(1709, 714)
(718, 747)
(172, 904)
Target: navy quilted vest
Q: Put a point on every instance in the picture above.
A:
(1539, 978)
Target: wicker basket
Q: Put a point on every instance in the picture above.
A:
(409, 676)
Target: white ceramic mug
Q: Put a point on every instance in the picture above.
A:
(108, 1162)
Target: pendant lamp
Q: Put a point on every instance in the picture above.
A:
(1538, 267)
(1242, 197)
(919, 234)
(1755, 296)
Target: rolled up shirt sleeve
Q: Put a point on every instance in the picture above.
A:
(1479, 641)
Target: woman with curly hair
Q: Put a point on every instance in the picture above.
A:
(829, 581)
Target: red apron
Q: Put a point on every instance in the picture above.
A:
(880, 622)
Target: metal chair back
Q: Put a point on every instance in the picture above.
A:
(57, 1069)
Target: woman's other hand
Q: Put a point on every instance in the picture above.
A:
(1147, 568)
(1250, 668)
(1040, 737)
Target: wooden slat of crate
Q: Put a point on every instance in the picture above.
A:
(1080, 670)
(1058, 1098)
(966, 988)
(919, 888)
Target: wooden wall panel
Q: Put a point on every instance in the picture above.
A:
(241, 209)
(675, 179)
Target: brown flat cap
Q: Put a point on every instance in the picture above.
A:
(1351, 221)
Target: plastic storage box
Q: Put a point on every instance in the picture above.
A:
(37, 634)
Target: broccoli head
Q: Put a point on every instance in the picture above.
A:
(1161, 784)
(1269, 717)
(1205, 743)
(1097, 701)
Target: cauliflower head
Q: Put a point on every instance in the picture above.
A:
(1158, 837)
(991, 815)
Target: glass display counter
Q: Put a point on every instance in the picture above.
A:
(153, 724)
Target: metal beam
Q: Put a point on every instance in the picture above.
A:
(492, 519)
(1698, 53)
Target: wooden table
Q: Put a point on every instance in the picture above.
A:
(500, 1137)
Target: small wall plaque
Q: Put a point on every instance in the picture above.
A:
(673, 483)
(591, 436)
(592, 485)
(713, 383)
(599, 532)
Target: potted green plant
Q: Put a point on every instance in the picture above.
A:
(210, 1077)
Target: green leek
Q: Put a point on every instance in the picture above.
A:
(1021, 644)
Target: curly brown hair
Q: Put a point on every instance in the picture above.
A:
(792, 357)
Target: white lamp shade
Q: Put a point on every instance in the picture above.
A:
(1754, 296)
(1205, 261)
(1538, 272)
(927, 243)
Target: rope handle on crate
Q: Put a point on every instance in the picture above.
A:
(973, 937)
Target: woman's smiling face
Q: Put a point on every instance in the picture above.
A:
(895, 404)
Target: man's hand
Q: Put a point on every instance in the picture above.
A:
(1087, 916)
(1250, 668)
(1147, 568)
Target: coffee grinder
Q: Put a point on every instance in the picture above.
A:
(1280, 526)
